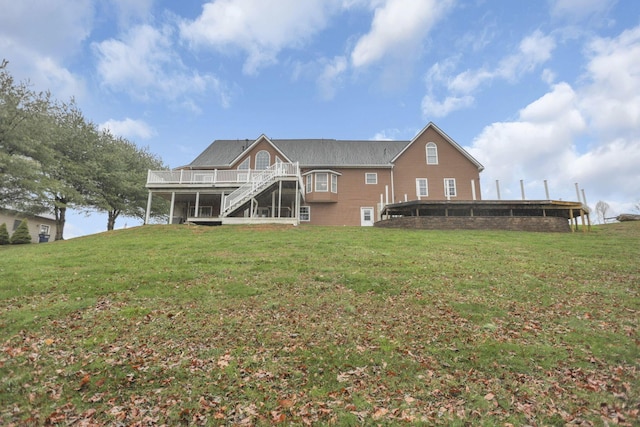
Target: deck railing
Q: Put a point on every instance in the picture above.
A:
(256, 182)
(190, 176)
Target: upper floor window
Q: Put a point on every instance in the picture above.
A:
(322, 181)
(432, 153)
(263, 160)
(245, 164)
(371, 178)
(450, 187)
(309, 183)
(334, 183)
(422, 189)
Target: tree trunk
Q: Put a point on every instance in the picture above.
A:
(111, 221)
(61, 213)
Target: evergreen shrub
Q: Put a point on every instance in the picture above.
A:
(4, 235)
(21, 235)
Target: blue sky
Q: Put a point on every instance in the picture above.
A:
(535, 90)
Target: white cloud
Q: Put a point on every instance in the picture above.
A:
(37, 37)
(587, 134)
(145, 64)
(612, 100)
(51, 28)
(129, 11)
(533, 50)
(576, 10)
(431, 107)
(129, 128)
(332, 76)
(398, 27)
(259, 28)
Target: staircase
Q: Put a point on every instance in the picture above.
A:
(257, 182)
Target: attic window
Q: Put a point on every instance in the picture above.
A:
(263, 158)
(245, 164)
(432, 153)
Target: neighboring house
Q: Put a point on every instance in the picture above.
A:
(315, 181)
(41, 228)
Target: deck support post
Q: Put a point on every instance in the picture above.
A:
(280, 199)
(197, 207)
(171, 208)
(148, 212)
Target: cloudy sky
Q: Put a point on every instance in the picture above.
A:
(535, 90)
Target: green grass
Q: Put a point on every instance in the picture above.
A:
(320, 325)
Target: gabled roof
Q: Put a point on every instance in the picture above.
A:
(448, 139)
(318, 152)
(308, 152)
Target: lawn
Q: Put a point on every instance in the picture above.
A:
(255, 325)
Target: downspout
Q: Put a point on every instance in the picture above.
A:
(393, 190)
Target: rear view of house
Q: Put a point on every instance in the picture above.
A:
(315, 181)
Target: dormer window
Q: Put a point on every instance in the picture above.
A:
(432, 153)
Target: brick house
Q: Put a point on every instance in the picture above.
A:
(315, 181)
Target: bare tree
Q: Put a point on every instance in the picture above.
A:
(601, 211)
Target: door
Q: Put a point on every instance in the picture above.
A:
(366, 217)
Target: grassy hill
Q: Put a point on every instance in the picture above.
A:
(313, 325)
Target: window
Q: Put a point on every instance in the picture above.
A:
(309, 183)
(334, 183)
(244, 165)
(450, 187)
(371, 178)
(263, 159)
(422, 189)
(432, 153)
(322, 182)
(305, 213)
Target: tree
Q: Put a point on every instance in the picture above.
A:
(120, 179)
(22, 112)
(68, 175)
(21, 235)
(4, 235)
(601, 211)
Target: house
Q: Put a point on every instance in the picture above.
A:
(314, 181)
(41, 227)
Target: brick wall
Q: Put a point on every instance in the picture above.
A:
(515, 223)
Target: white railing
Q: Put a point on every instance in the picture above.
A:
(188, 176)
(256, 182)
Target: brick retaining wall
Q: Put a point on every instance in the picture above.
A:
(512, 223)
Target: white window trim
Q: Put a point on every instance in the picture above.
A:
(260, 153)
(334, 183)
(368, 175)
(433, 146)
(308, 213)
(325, 182)
(245, 165)
(309, 184)
(446, 187)
(426, 187)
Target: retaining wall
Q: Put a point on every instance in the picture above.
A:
(512, 223)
